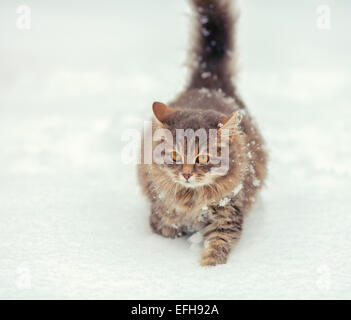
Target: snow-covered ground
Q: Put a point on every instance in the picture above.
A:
(73, 223)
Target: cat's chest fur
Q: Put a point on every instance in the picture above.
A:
(189, 208)
(194, 217)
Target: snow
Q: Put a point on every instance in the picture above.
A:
(223, 202)
(256, 182)
(205, 75)
(73, 224)
(196, 238)
(237, 189)
(203, 20)
(205, 32)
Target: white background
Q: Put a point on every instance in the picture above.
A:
(73, 223)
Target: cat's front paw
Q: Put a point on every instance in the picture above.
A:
(170, 232)
(213, 256)
(164, 230)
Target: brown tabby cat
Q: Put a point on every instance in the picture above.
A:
(186, 195)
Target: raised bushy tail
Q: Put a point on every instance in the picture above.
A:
(212, 55)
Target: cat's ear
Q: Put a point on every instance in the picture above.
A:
(161, 111)
(232, 123)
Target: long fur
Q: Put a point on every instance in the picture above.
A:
(213, 53)
(214, 205)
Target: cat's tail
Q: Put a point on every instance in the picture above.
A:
(213, 52)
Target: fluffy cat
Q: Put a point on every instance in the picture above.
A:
(186, 196)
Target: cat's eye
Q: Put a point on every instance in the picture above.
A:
(176, 157)
(202, 159)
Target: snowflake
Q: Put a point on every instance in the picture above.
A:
(237, 189)
(224, 202)
(204, 20)
(252, 169)
(205, 32)
(256, 182)
(205, 75)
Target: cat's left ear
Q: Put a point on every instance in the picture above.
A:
(232, 123)
(161, 111)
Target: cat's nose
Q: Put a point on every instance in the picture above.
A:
(187, 175)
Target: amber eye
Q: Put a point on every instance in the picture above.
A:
(202, 159)
(176, 156)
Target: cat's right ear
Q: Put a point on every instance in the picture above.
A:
(161, 111)
(232, 124)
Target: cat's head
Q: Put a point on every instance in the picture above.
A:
(195, 147)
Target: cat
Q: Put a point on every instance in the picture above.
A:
(187, 195)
